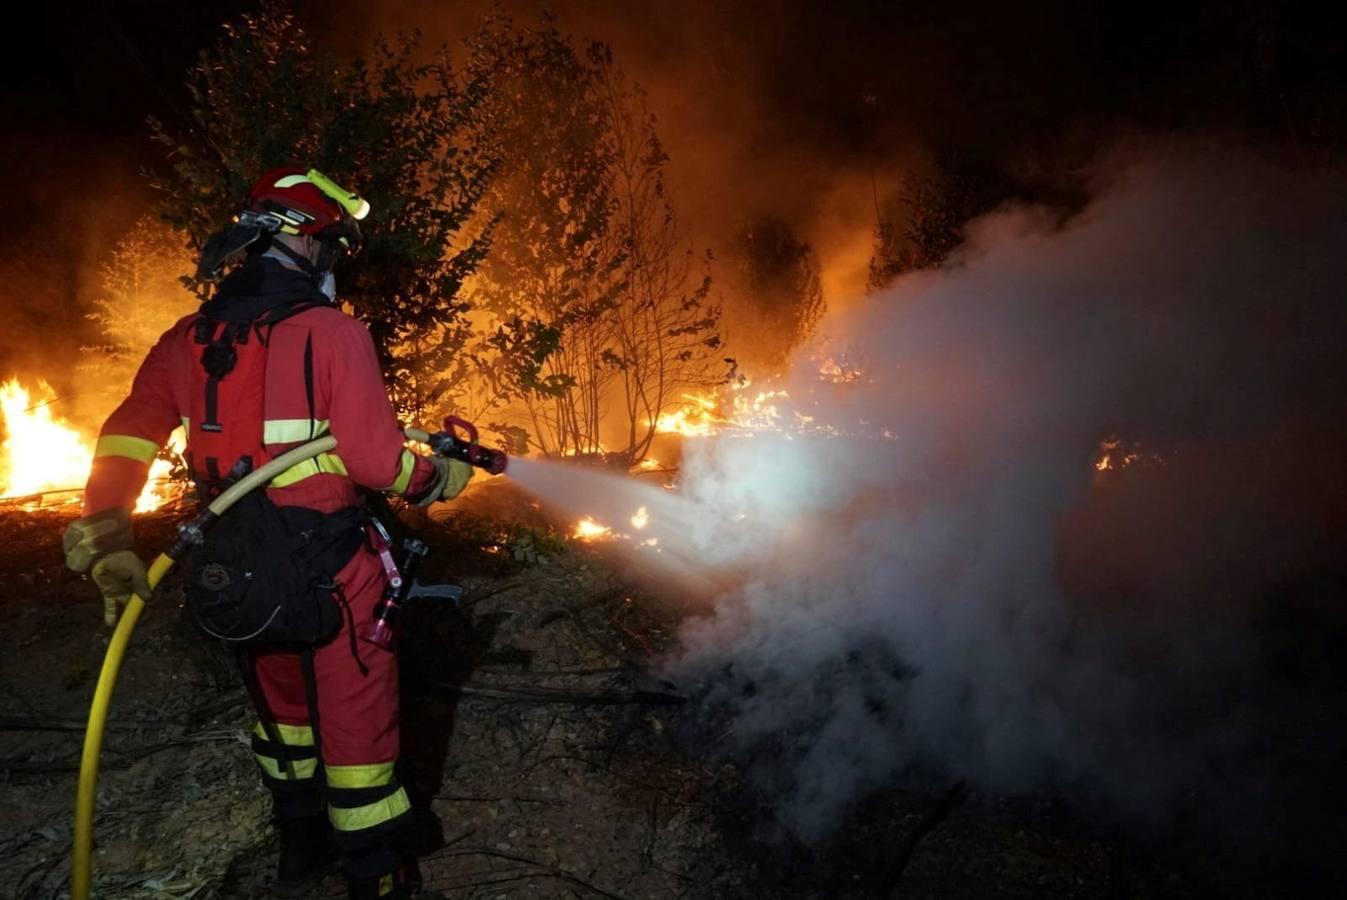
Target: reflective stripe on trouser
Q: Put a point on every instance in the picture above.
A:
(357, 724)
(295, 792)
(366, 805)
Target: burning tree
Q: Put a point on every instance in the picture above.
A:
(666, 332)
(142, 295)
(591, 312)
(553, 275)
(409, 134)
(601, 319)
(935, 208)
(779, 293)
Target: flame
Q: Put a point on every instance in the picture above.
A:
(41, 453)
(1116, 454)
(45, 454)
(838, 372)
(589, 530)
(694, 418)
(704, 414)
(761, 413)
(159, 488)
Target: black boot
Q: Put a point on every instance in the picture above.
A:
(377, 887)
(399, 885)
(307, 854)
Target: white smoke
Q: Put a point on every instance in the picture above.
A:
(954, 589)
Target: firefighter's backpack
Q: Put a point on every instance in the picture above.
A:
(264, 574)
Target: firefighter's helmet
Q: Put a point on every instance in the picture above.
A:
(290, 201)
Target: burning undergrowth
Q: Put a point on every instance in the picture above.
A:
(45, 460)
(1082, 535)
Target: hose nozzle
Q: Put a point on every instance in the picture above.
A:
(448, 443)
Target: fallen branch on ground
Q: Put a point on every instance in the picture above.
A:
(124, 757)
(893, 873)
(555, 695)
(553, 871)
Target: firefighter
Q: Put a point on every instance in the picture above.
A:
(320, 376)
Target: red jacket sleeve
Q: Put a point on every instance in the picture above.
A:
(133, 434)
(361, 418)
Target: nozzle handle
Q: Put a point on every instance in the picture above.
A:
(453, 423)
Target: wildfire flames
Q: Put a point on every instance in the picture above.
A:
(44, 461)
(703, 414)
(589, 530)
(1115, 454)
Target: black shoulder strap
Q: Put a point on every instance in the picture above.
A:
(311, 698)
(308, 383)
(283, 311)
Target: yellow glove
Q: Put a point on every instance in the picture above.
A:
(118, 575)
(101, 546)
(451, 477)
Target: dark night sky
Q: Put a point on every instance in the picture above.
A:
(765, 106)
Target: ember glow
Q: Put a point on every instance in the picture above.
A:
(45, 460)
(589, 530)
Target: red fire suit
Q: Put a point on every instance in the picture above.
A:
(357, 698)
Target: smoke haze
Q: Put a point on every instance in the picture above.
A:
(954, 590)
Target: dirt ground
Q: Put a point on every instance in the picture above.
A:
(551, 761)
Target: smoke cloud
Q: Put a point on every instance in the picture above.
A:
(951, 588)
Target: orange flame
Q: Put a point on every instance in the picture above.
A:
(589, 530)
(45, 454)
(41, 453)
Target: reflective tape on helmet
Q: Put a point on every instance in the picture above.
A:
(292, 431)
(322, 464)
(405, 469)
(371, 815)
(291, 181)
(139, 449)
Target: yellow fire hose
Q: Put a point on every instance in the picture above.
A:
(81, 870)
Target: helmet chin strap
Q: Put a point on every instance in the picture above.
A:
(322, 278)
(302, 262)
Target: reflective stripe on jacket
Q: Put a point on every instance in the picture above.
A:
(349, 401)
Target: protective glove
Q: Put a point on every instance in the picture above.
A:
(118, 575)
(101, 546)
(451, 477)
